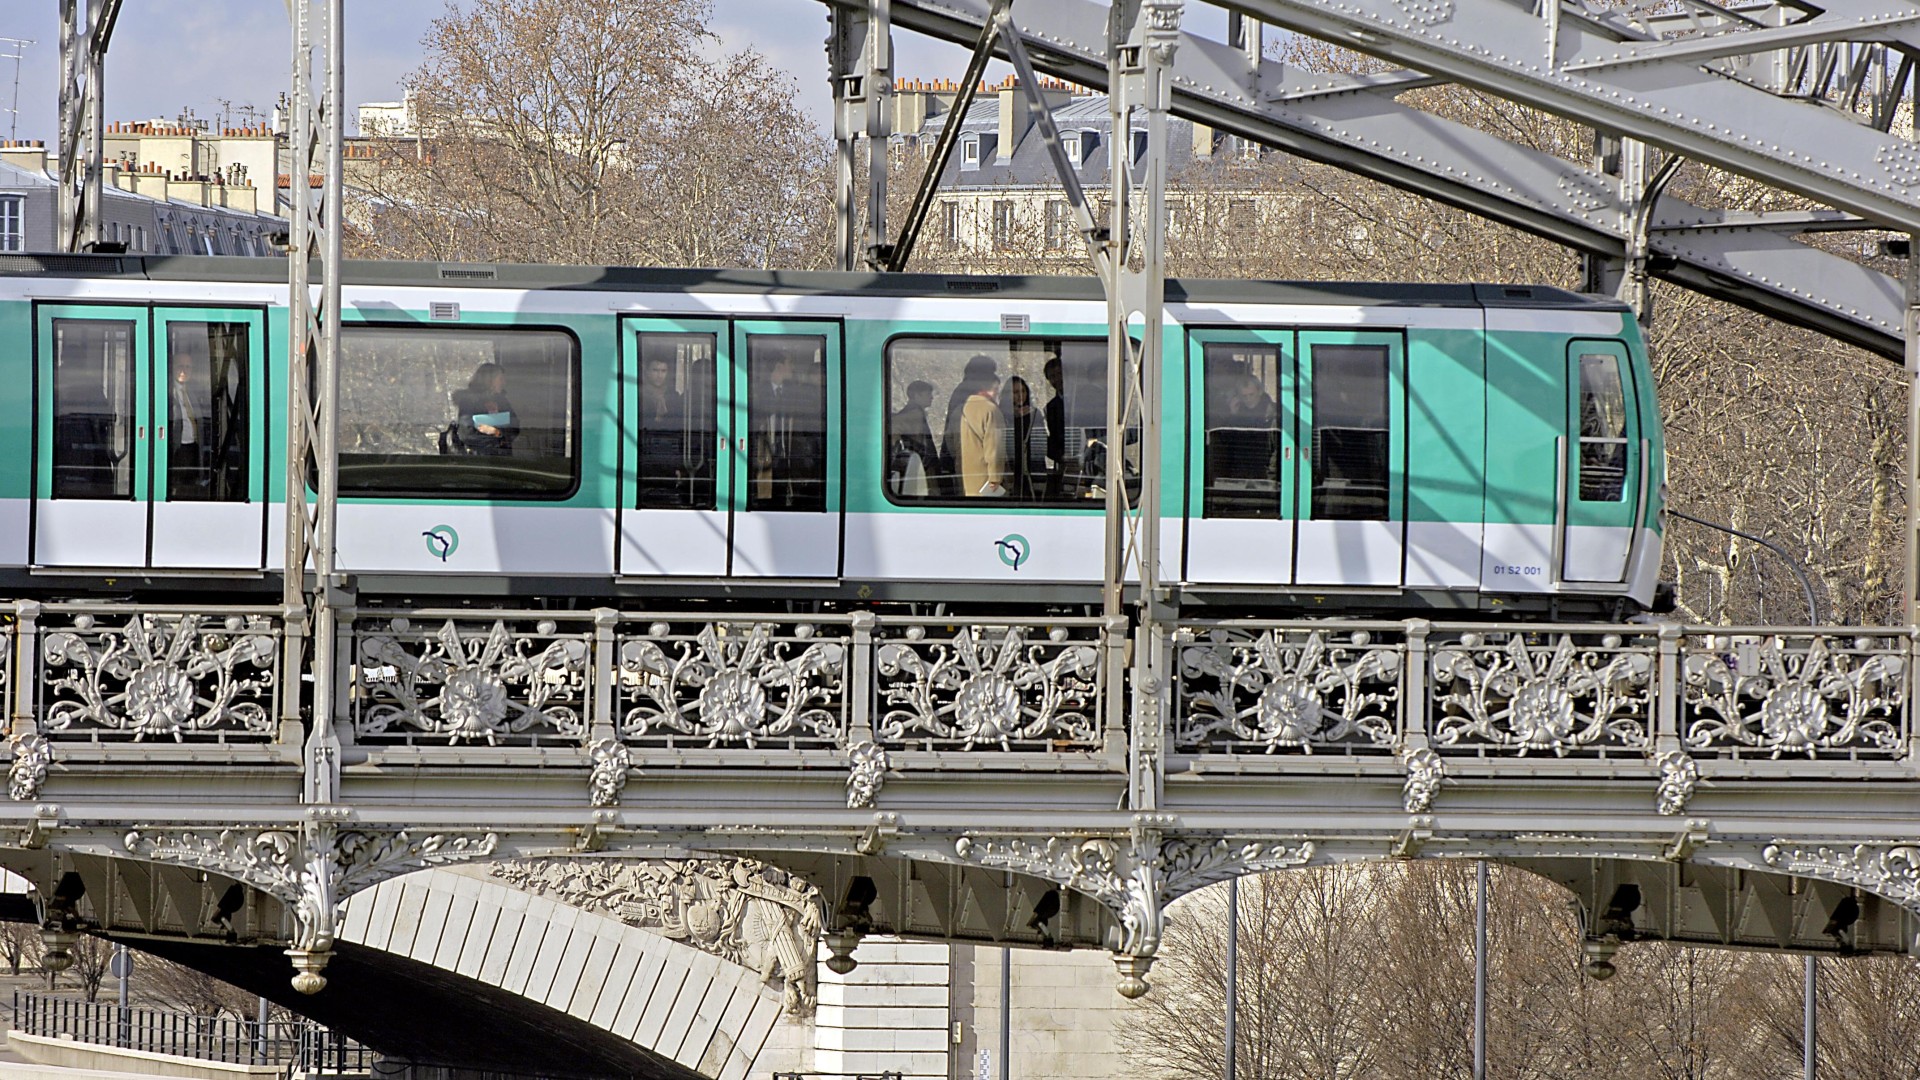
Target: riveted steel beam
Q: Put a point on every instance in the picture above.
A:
(1677, 103)
(1355, 123)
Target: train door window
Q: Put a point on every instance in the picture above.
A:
(1603, 429)
(1350, 436)
(676, 423)
(1243, 430)
(787, 422)
(459, 412)
(93, 409)
(1008, 418)
(207, 430)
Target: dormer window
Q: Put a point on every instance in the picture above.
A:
(970, 152)
(1071, 141)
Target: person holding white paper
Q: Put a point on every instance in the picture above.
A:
(485, 418)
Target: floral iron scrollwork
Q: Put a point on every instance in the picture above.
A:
(1277, 692)
(733, 684)
(312, 870)
(868, 765)
(472, 686)
(1524, 696)
(1888, 870)
(1134, 877)
(611, 762)
(1679, 776)
(1426, 771)
(969, 690)
(161, 676)
(1780, 699)
(32, 757)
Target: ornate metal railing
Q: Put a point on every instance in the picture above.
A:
(450, 678)
(1488, 691)
(107, 673)
(609, 691)
(764, 683)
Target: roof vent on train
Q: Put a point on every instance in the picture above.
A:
(972, 285)
(1516, 292)
(468, 273)
(55, 263)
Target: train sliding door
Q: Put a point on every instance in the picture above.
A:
(732, 448)
(150, 452)
(1602, 470)
(786, 449)
(209, 446)
(1351, 465)
(676, 385)
(1241, 481)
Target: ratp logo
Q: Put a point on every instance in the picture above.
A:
(1012, 549)
(442, 542)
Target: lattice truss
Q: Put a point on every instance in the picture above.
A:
(1808, 100)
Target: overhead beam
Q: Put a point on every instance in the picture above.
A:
(1679, 105)
(1355, 123)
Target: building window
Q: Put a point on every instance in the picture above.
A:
(1243, 215)
(1059, 224)
(1002, 222)
(970, 152)
(1071, 142)
(13, 236)
(950, 222)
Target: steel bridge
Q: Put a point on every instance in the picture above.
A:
(1056, 783)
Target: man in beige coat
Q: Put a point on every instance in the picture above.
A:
(983, 453)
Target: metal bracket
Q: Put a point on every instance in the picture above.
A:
(1687, 841)
(1412, 839)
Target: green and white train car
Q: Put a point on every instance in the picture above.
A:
(832, 438)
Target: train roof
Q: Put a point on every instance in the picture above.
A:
(810, 282)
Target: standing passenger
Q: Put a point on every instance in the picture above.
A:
(1056, 431)
(914, 457)
(983, 463)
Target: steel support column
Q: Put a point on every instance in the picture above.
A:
(86, 26)
(314, 338)
(860, 56)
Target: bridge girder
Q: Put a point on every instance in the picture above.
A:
(1356, 123)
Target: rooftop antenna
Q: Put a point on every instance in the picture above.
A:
(19, 51)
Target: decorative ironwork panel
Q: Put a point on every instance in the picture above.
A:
(449, 681)
(757, 683)
(1245, 690)
(159, 675)
(1000, 686)
(1505, 691)
(1822, 695)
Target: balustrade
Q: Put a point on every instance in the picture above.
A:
(874, 693)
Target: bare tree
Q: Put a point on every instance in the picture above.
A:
(19, 944)
(593, 133)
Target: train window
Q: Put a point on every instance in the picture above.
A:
(1243, 430)
(675, 427)
(1016, 418)
(93, 423)
(208, 435)
(1350, 437)
(787, 422)
(463, 413)
(1603, 429)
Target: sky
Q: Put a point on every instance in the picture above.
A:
(217, 56)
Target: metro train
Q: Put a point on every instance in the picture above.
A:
(572, 434)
